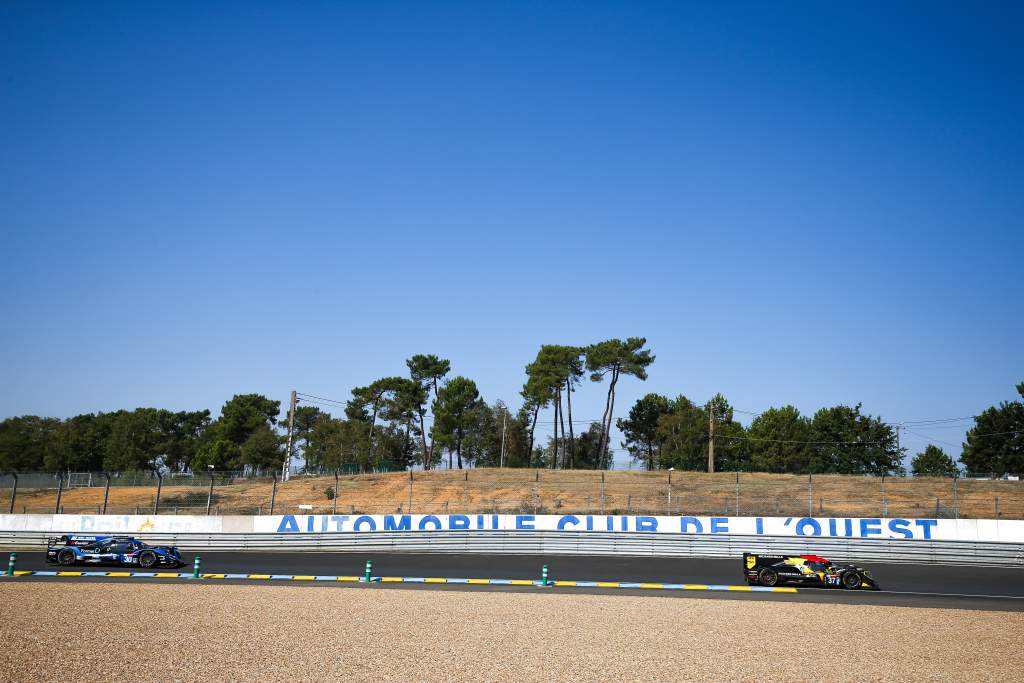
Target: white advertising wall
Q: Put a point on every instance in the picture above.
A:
(987, 530)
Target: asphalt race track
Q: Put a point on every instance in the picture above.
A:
(902, 584)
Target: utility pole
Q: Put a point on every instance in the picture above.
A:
(711, 440)
(287, 468)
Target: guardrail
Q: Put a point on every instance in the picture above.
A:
(580, 543)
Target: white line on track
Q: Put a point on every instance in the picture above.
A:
(946, 595)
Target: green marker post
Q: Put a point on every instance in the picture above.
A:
(195, 568)
(10, 563)
(369, 571)
(544, 576)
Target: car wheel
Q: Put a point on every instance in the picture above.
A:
(851, 580)
(768, 577)
(66, 557)
(147, 558)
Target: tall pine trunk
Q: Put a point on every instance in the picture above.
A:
(609, 414)
(572, 438)
(533, 426)
(558, 410)
(458, 447)
(423, 436)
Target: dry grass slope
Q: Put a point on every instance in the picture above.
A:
(562, 491)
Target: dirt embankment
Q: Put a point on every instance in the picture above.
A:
(546, 491)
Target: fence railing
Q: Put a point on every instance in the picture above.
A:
(515, 491)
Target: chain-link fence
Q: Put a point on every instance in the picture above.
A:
(516, 491)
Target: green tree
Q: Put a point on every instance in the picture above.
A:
(683, 435)
(933, 462)
(78, 444)
(304, 421)
(995, 444)
(262, 449)
(428, 371)
(134, 441)
(244, 414)
(641, 429)
(453, 414)
(218, 452)
(849, 442)
(587, 454)
(555, 373)
(25, 441)
(779, 441)
(613, 358)
(181, 434)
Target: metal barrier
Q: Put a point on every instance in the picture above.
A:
(580, 543)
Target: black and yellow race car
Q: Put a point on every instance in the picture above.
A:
(806, 570)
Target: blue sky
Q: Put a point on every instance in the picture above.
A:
(794, 203)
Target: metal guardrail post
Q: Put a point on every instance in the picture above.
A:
(60, 490)
(159, 485)
(273, 495)
(106, 492)
(14, 493)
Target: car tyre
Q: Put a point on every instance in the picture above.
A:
(66, 557)
(768, 577)
(851, 580)
(147, 559)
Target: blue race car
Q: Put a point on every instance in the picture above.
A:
(120, 550)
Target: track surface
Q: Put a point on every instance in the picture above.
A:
(914, 585)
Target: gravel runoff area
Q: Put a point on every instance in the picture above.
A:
(73, 631)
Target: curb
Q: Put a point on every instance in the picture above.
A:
(413, 579)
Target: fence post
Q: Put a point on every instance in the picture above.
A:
(60, 490)
(410, 489)
(669, 511)
(737, 493)
(602, 492)
(465, 493)
(885, 503)
(273, 495)
(997, 507)
(334, 508)
(956, 509)
(14, 492)
(106, 492)
(209, 496)
(159, 485)
(810, 496)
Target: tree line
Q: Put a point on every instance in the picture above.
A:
(429, 418)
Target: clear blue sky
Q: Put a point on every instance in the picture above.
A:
(794, 203)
